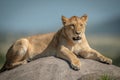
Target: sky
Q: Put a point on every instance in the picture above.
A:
(41, 16)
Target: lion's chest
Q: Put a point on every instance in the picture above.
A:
(76, 49)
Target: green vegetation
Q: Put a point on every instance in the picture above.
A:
(116, 61)
(106, 77)
(102, 76)
(2, 59)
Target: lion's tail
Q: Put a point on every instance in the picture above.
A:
(3, 68)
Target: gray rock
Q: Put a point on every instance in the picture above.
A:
(51, 68)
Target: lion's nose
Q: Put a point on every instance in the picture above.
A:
(77, 32)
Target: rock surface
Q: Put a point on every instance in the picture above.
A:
(51, 68)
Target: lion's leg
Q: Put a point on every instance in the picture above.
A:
(19, 63)
(93, 54)
(66, 54)
(12, 65)
(17, 54)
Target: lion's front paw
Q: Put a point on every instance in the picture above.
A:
(76, 64)
(24, 62)
(108, 61)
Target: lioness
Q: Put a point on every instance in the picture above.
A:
(68, 43)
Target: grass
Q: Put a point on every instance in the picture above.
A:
(107, 77)
(2, 59)
(94, 76)
(116, 61)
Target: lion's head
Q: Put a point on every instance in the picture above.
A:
(74, 27)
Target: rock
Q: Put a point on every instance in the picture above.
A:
(52, 68)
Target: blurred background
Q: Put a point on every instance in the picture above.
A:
(21, 18)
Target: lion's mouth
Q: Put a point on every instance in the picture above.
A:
(77, 38)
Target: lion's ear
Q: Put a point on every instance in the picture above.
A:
(84, 18)
(64, 20)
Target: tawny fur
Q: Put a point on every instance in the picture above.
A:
(25, 49)
(68, 43)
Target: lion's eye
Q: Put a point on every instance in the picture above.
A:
(72, 26)
(81, 24)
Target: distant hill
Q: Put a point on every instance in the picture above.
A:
(111, 27)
